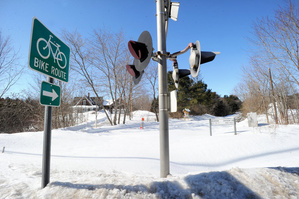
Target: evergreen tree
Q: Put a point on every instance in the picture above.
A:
(233, 102)
(196, 96)
(220, 108)
(184, 91)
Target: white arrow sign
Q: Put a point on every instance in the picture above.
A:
(52, 94)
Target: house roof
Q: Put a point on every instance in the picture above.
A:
(107, 102)
(91, 102)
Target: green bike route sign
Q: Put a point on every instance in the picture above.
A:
(49, 94)
(48, 54)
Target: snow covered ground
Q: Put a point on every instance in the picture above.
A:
(123, 161)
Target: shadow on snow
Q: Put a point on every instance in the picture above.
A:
(205, 185)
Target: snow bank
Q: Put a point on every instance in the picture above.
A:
(148, 116)
(234, 183)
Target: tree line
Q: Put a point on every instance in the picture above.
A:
(270, 82)
(20, 115)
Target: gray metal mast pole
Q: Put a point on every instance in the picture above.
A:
(47, 143)
(163, 112)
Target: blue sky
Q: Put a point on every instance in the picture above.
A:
(219, 25)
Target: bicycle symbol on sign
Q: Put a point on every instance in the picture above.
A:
(44, 49)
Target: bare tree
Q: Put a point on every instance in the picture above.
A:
(101, 62)
(254, 87)
(259, 88)
(152, 77)
(278, 50)
(9, 72)
(110, 55)
(125, 90)
(81, 61)
(63, 116)
(279, 37)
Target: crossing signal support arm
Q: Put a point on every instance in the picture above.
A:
(197, 57)
(174, 55)
(207, 56)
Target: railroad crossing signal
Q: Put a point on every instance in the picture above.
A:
(198, 57)
(142, 51)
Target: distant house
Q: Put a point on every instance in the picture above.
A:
(87, 103)
(117, 105)
(108, 105)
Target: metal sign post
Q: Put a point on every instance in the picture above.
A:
(50, 56)
(163, 109)
(47, 143)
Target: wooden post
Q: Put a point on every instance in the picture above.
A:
(235, 127)
(210, 120)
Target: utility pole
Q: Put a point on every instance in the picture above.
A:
(273, 99)
(163, 108)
